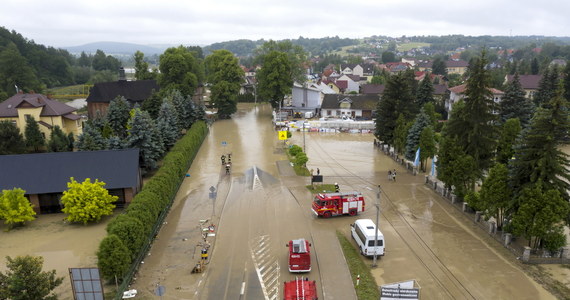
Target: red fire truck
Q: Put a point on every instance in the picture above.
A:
(300, 289)
(299, 255)
(333, 204)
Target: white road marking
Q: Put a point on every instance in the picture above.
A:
(266, 267)
(242, 288)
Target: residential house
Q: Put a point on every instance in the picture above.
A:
(458, 92)
(349, 106)
(44, 176)
(103, 93)
(452, 66)
(352, 82)
(397, 67)
(47, 112)
(411, 61)
(337, 87)
(529, 83)
(305, 98)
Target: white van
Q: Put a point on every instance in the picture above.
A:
(363, 231)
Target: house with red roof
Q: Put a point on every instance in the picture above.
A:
(47, 112)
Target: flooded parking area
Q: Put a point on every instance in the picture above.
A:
(426, 239)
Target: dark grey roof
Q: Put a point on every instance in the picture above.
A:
(50, 172)
(365, 102)
(50, 107)
(134, 91)
(372, 89)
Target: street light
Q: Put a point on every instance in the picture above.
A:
(374, 264)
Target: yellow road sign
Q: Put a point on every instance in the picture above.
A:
(282, 135)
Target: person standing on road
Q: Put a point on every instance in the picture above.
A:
(228, 169)
(318, 171)
(223, 158)
(336, 187)
(394, 175)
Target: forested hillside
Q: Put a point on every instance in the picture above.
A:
(27, 66)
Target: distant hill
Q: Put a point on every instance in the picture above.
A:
(117, 48)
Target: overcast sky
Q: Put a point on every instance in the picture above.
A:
(61, 23)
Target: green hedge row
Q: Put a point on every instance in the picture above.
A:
(134, 230)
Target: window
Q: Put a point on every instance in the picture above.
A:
(371, 243)
(360, 235)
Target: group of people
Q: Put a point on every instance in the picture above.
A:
(392, 175)
(227, 164)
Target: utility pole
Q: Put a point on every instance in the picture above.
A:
(304, 148)
(374, 264)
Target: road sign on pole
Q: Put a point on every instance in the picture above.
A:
(282, 135)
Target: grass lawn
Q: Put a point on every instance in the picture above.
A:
(69, 92)
(410, 46)
(367, 289)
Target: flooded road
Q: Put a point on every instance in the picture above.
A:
(426, 239)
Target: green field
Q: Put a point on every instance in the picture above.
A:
(69, 92)
(410, 46)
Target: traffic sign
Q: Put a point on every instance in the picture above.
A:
(224, 143)
(212, 189)
(282, 135)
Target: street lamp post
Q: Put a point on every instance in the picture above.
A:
(304, 149)
(374, 263)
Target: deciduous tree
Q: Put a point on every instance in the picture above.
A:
(224, 98)
(496, 195)
(509, 133)
(87, 201)
(25, 280)
(15, 209)
(180, 69)
(427, 146)
(541, 210)
(225, 75)
(296, 56)
(142, 71)
(274, 78)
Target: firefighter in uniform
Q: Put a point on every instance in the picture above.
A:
(228, 168)
(336, 187)
(223, 158)
(204, 253)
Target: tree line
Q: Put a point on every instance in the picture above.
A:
(504, 159)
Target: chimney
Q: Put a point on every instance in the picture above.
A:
(122, 76)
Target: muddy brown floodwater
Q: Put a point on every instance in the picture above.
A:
(426, 239)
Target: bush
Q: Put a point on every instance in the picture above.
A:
(301, 159)
(113, 258)
(294, 150)
(130, 230)
(128, 233)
